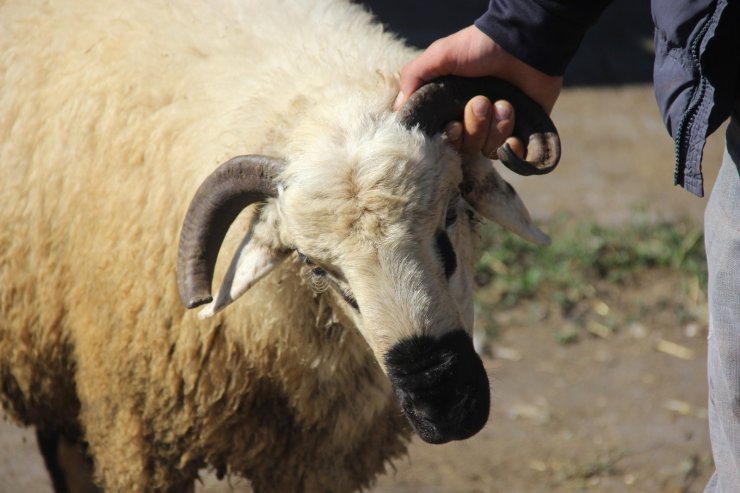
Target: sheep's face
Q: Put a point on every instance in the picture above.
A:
(385, 220)
(390, 235)
(387, 231)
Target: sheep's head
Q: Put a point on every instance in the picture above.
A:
(386, 221)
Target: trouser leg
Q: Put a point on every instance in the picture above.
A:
(722, 236)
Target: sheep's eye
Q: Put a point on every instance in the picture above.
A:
(321, 280)
(451, 215)
(446, 253)
(316, 271)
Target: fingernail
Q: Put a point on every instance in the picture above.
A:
(502, 111)
(481, 107)
(453, 131)
(399, 100)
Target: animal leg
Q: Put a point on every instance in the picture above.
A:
(184, 487)
(70, 468)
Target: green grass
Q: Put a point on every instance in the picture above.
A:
(582, 257)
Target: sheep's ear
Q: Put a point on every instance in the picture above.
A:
(258, 254)
(493, 198)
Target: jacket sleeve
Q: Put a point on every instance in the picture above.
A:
(542, 33)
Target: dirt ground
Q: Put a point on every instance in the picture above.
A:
(602, 415)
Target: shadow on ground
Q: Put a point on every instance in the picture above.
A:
(617, 50)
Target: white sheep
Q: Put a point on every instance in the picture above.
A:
(353, 266)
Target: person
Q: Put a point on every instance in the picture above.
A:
(697, 85)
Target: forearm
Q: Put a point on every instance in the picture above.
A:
(542, 33)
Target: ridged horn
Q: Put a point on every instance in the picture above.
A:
(233, 186)
(442, 100)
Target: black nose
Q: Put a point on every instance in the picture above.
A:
(441, 385)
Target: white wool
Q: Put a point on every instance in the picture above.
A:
(111, 115)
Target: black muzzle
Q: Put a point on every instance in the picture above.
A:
(441, 385)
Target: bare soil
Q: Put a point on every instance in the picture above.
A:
(609, 414)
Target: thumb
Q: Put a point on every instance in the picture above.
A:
(430, 64)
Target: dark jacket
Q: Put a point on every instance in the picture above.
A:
(697, 59)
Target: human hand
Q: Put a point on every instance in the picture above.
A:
(471, 53)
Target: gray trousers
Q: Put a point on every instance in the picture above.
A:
(722, 236)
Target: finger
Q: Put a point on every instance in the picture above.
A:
(517, 147)
(454, 132)
(502, 126)
(476, 121)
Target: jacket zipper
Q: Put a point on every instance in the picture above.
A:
(682, 138)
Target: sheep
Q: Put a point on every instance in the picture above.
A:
(342, 321)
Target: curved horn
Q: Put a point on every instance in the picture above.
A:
(442, 100)
(233, 186)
